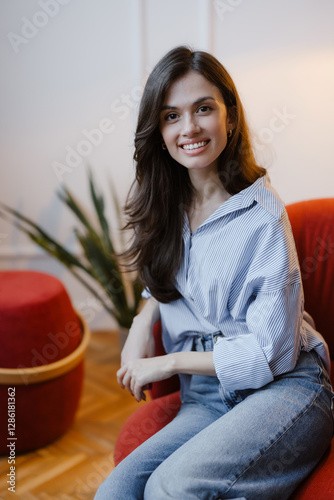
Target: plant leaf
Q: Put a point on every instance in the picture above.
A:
(98, 202)
(105, 270)
(43, 239)
(66, 196)
(99, 261)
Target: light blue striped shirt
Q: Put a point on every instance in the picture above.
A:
(240, 276)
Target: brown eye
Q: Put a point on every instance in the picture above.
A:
(171, 117)
(203, 109)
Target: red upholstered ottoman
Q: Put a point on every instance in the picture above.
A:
(43, 341)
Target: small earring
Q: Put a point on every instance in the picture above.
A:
(229, 133)
(163, 145)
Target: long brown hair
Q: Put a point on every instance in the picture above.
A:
(162, 190)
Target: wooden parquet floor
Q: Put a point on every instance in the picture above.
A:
(72, 467)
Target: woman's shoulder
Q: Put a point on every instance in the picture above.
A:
(265, 219)
(267, 198)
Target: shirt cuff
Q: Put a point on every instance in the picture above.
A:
(240, 363)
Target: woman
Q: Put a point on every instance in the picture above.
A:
(214, 249)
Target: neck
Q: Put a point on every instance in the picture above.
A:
(207, 187)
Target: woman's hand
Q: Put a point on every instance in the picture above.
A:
(140, 341)
(137, 374)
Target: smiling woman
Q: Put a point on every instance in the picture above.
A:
(195, 134)
(173, 98)
(214, 248)
(194, 129)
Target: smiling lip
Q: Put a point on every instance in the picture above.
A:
(194, 147)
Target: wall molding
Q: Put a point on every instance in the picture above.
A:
(206, 25)
(21, 252)
(32, 252)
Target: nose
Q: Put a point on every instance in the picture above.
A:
(190, 125)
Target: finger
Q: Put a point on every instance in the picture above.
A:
(120, 376)
(125, 378)
(138, 393)
(120, 380)
(134, 388)
(128, 382)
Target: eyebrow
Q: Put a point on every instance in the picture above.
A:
(198, 101)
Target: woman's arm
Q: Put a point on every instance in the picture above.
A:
(136, 374)
(140, 342)
(193, 363)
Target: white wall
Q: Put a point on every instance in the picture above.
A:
(83, 66)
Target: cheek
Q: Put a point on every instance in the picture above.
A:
(164, 133)
(220, 133)
(220, 127)
(169, 138)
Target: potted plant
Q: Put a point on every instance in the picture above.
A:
(118, 291)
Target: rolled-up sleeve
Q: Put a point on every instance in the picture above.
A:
(271, 347)
(240, 363)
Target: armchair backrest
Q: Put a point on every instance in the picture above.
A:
(312, 224)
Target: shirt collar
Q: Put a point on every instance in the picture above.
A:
(261, 191)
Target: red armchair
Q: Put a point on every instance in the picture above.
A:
(313, 229)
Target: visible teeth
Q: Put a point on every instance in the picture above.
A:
(194, 146)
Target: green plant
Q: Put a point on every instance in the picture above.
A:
(120, 295)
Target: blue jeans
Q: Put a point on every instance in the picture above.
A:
(249, 444)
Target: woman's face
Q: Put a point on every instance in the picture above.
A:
(194, 122)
